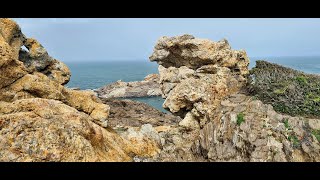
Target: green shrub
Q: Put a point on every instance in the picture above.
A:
(294, 140)
(316, 133)
(287, 90)
(240, 118)
(286, 124)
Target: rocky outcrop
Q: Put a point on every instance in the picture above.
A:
(205, 83)
(125, 113)
(137, 120)
(38, 129)
(195, 74)
(146, 88)
(34, 74)
(41, 120)
(194, 53)
(38, 59)
(245, 129)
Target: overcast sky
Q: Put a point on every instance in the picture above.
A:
(134, 38)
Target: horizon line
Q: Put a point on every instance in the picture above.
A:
(111, 60)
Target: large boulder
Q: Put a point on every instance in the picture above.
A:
(194, 53)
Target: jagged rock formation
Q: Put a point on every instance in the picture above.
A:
(148, 87)
(204, 82)
(194, 53)
(245, 129)
(22, 74)
(41, 120)
(196, 73)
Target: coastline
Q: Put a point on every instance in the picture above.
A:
(218, 112)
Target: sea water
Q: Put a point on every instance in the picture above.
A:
(92, 75)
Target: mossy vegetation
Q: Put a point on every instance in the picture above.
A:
(240, 118)
(288, 91)
(316, 133)
(295, 141)
(286, 124)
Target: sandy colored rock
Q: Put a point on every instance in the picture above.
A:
(38, 59)
(38, 85)
(41, 120)
(314, 124)
(259, 138)
(189, 122)
(145, 88)
(10, 68)
(10, 33)
(29, 75)
(195, 74)
(47, 130)
(205, 82)
(194, 53)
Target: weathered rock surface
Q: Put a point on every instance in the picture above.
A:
(38, 129)
(41, 120)
(29, 76)
(263, 134)
(124, 113)
(204, 82)
(194, 53)
(148, 87)
(196, 73)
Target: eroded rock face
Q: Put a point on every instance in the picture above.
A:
(204, 82)
(196, 73)
(245, 129)
(194, 53)
(35, 74)
(41, 120)
(145, 88)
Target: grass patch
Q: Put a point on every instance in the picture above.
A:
(302, 80)
(240, 118)
(316, 133)
(286, 124)
(294, 140)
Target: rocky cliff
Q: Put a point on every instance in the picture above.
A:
(205, 83)
(41, 120)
